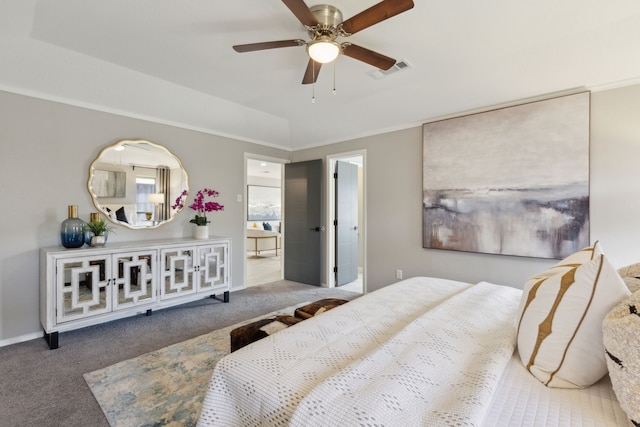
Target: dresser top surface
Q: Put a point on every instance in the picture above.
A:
(110, 247)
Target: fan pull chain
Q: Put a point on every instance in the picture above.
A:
(334, 78)
(313, 85)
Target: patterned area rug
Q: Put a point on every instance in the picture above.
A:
(166, 386)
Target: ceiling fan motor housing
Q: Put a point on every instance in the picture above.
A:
(329, 18)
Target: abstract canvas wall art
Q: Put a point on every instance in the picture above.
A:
(263, 203)
(510, 181)
(109, 183)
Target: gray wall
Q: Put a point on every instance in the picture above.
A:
(46, 149)
(394, 200)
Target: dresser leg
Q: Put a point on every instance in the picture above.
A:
(225, 297)
(52, 340)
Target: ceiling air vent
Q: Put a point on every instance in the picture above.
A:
(401, 65)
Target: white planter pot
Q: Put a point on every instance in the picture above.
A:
(98, 240)
(201, 231)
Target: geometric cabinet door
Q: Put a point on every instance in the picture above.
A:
(83, 288)
(177, 272)
(134, 278)
(212, 267)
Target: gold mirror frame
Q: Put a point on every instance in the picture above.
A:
(134, 182)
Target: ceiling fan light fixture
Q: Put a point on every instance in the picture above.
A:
(323, 50)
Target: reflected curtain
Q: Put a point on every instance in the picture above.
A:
(163, 185)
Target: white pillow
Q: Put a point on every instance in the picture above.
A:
(561, 314)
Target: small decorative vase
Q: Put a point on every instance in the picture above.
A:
(98, 240)
(89, 236)
(201, 231)
(72, 229)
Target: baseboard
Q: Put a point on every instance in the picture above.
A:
(21, 338)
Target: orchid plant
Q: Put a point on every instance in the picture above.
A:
(199, 205)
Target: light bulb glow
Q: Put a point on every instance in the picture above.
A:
(323, 51)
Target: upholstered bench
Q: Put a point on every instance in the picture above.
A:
(318, 307)
(245, 335)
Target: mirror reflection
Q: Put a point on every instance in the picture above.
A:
(135, 182)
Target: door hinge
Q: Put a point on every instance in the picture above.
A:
(335, 222)
(335, 175)
(335, 269)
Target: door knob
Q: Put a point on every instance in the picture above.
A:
(317, 229)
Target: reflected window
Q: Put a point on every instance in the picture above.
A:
(145, 186)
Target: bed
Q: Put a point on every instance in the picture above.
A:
(424, 351)
(124, 213)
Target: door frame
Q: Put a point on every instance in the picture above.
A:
(252, 156)
(330, 163)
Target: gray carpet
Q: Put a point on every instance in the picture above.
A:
(45, 387)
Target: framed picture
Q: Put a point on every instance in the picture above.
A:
(109, 183)
(511, 181)
(263, 203)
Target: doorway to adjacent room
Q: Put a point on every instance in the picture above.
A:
(346, 210)
(263, 203)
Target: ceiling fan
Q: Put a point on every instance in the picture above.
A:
(324, 24)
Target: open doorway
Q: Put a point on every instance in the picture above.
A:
(354, 231)
(263, 215)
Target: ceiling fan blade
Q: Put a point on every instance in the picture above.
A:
(375, 14)
(360, 53)
(311, 74)
(251, 47)
(302, 12)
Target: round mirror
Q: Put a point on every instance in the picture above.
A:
(135, 183)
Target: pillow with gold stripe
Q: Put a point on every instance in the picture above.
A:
(578, 258)
(560, 319)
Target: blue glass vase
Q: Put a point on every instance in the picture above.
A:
(72, 229)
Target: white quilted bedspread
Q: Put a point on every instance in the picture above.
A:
(423, 351)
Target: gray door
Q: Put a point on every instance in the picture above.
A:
(346, 225)
(303, 231)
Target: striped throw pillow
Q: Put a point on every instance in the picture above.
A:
(561, 315)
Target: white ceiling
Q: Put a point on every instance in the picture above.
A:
(171, 61)
(264, 169)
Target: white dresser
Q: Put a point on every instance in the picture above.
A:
(87, 286)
